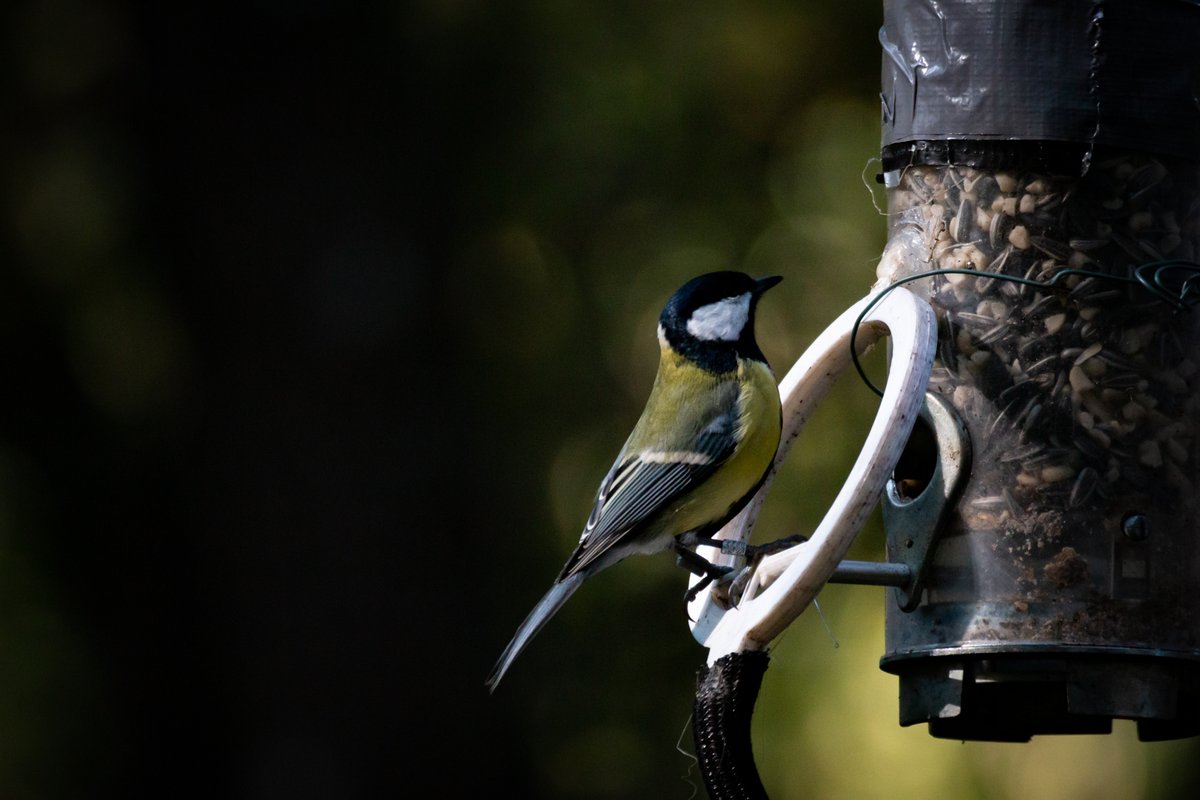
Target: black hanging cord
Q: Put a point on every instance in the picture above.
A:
(1151, 276)
(725, 695)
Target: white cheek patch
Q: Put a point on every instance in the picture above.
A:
(723, 320)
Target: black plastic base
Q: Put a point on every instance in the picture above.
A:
(1011, 697)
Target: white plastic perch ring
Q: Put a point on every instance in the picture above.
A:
(786, 582)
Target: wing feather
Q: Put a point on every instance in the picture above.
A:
(643, 483)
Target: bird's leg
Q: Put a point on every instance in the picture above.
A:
(752, 552)
(767, 548)
(697, 565)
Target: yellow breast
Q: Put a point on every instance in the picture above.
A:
(758, 434)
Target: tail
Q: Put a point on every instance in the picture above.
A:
(542, 612)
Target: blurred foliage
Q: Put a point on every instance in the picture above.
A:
(322, 324)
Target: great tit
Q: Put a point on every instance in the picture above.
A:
(700, 450)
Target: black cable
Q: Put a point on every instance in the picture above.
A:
(1181, 299)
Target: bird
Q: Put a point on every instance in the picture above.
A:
(703, 445)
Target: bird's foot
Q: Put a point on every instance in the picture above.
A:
(729, 586)
(698, 565)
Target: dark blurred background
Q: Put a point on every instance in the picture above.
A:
(321, 322)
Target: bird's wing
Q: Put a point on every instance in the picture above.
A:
(641, 483)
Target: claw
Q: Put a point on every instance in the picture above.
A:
(733, 592)
(694, 592)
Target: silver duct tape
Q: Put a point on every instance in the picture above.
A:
(1114, 73)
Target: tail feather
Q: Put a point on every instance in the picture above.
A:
(550, 603)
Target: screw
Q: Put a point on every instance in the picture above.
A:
(1135, 526)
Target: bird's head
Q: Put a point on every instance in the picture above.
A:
(710, 319)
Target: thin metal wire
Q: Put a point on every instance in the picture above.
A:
(1151, 276)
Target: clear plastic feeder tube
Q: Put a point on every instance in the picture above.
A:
(1078, 530)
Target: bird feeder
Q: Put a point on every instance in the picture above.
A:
(1042, 166)
(1041, 160)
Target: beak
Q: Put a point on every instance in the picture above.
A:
(762, 284)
